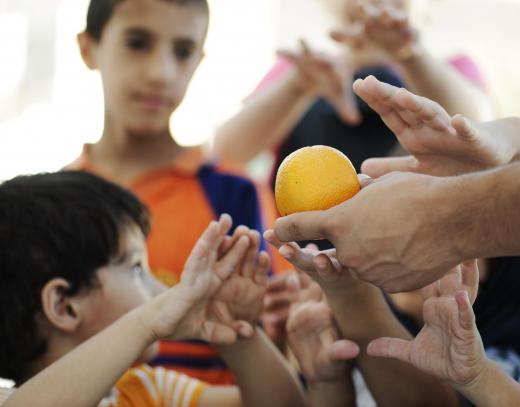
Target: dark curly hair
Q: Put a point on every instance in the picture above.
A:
(60, 225)
(100, 11)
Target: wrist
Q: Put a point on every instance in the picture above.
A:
(299, 86)
(241, 345)
(409, 55)
(480, 390)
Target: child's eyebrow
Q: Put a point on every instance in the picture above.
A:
(144, 32)
(138, 31)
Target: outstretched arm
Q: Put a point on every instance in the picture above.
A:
(363, 314)
(386, 27)
(178, 312)
(268, 117)
(449, 345)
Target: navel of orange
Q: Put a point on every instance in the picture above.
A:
(314, 178)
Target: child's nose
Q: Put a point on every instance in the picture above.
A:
(161, 68)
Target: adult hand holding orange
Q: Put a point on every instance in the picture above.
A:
(400, 232)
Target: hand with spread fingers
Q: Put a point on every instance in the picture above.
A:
(439, 144)
(325, 76)
(449, 345)
(382, 26)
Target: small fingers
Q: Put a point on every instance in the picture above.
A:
(233, 258)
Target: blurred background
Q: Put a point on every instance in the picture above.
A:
(50, 104)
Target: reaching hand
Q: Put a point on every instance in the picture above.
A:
(381, 27)
(449, 345)
(327, 77)
(438, 144)
(323, 267)
(314, 339)
(244, 291)
(193, 308)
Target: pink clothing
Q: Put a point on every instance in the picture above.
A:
(462, 63)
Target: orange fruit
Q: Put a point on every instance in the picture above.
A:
(314, 178)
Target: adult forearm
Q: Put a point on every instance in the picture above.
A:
(340, 393)
(392, 383)
(264, 120)
(86, 374)
(484, 212)
(262, 374)
(437, 80)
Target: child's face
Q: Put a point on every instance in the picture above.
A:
(124, 284)
(147, 55)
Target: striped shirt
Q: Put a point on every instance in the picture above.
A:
(145, 386)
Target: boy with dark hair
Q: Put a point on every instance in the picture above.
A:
(79, 306)
(147, 52)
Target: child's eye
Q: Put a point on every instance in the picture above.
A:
(138, 270)
(182, 51)
(137, 43)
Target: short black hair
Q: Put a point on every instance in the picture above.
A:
(55, 225)
(100, 11)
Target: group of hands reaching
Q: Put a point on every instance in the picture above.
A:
(378, 31)
(225, 281)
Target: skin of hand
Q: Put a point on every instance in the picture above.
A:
(376, 238)
(323, 75)
(379, 26)
(206, 297)
(282, 291)
(449, 345)
(314, 338)
(439, 144)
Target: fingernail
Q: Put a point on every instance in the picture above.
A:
(285, 252)
(321, 263)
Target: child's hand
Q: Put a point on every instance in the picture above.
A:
(323, 267)
(244, 291)
(449, 345)
(330, 78)
(314, 338)
(381, 27)
(192, 309)
(438, 144)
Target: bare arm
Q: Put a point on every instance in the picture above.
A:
(362, 314)
(82, 380)
(268, 118)
(264, 120)
(385, 27)
(438, 80)
(263, 375)
(493, 388)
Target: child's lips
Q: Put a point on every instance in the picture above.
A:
(153, 102)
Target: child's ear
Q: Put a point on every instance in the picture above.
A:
(86, 47)
(59, 308)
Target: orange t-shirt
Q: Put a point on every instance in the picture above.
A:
(183, 198)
